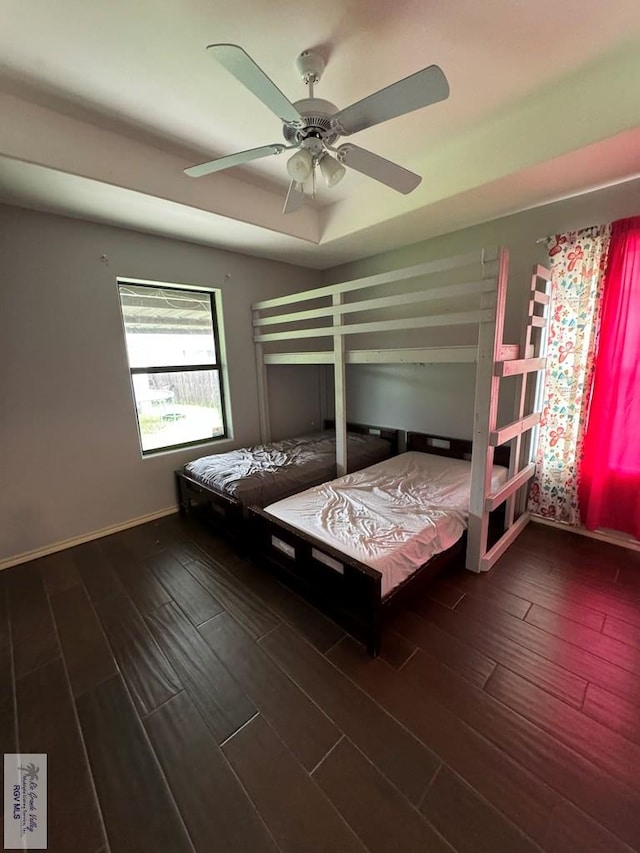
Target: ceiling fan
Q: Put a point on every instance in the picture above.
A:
(313, 125)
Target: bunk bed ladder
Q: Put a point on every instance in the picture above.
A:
(495, 362)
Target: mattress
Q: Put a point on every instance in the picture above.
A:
(392, 516)
(265, 472)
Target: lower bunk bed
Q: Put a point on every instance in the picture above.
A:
(362, 545)
(221, 486)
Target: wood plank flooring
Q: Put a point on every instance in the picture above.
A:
(189, 702)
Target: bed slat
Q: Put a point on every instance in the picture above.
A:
(503, 543)
(494, 500)
(519, 366)
(418, 271)
(458, 318)
(506, 433)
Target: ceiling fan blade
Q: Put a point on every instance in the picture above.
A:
(295, 198)
(376, 167)
(418, 90)
(233, 160)
(238, 62)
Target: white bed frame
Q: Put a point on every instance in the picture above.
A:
(481, 279)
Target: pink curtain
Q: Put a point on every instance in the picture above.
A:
(609, 490)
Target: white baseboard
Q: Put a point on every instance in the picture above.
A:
(86, 537)
(611, 537)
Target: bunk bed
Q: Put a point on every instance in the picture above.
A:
(469, 292)
(222, 485)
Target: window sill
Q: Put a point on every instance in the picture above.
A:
(195, 448)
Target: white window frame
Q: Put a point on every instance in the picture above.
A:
(218, 365)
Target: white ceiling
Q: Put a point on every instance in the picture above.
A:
(102, 105)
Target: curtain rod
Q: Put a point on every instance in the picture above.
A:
(586, 228)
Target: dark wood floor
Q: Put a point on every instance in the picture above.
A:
(188, 701)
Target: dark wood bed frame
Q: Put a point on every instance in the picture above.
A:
(226, 513)
(347, 590)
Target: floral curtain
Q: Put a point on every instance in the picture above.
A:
(578, 261)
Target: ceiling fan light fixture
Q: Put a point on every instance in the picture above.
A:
(331, 170)
(300, 166)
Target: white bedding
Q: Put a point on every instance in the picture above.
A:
(393, 516)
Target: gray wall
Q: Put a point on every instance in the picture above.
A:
(70, 461)
(439, 398)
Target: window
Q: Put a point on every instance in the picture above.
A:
(174, 357)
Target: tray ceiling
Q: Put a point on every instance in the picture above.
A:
(105, 104)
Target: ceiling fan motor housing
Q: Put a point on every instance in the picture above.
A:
(316, 114)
